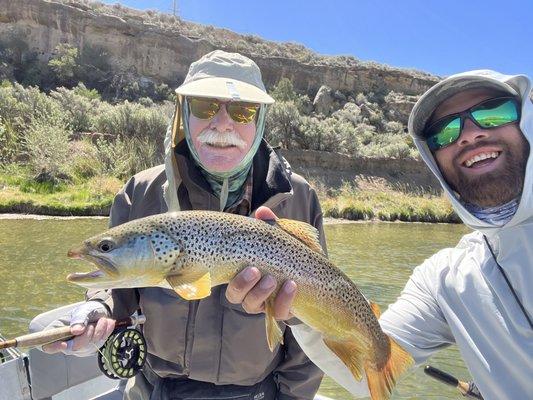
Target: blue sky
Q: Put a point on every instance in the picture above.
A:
(441, 37)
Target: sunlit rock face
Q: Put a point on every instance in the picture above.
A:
(161, 47)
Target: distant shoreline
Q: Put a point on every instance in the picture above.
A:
(38, 216)
(327, 220)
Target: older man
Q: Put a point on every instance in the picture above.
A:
(216, 159)
(474, 130)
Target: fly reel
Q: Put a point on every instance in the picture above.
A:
(123, 354)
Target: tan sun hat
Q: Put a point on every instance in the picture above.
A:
(225, 75)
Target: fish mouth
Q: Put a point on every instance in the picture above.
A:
(105, 267)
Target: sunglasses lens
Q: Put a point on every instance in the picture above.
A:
(443, 134)
(203, 108)
(496, 112)
(243, 113)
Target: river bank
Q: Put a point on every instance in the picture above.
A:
(94, 197)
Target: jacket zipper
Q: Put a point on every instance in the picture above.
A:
(189, 336)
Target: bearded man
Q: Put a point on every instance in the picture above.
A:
(474, 131)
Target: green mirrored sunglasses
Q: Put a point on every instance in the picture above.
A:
(491, 113)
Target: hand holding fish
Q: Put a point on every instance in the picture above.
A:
(251, 289)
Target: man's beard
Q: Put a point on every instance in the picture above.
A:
(497, 187)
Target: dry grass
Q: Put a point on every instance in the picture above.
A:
(383, 203)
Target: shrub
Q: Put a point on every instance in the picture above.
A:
(83, 91)
(48, 149)
(282, 121)
(84, 161)
(387, 146)
(360, 99)
(125, 157)
(64, 63)
(350, 112)
(9, 144)
(78, 107)
(19, 106)
(284, 91)
(394, 127)
(128, 120)
(329, 134)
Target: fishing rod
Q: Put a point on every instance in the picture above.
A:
(467, 389)
(52, 335)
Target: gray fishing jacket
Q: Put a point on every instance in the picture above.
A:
(459, 296)
(212, 340)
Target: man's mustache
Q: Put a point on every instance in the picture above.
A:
(232, 138)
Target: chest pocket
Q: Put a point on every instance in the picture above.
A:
(166, 337)
(244, 339)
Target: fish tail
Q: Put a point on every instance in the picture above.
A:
(381, 382)
(351, 352)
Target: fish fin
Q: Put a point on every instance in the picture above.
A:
(375, 309)
(381, 382)
(273, 331)
(351, 354)
(191, 291)
(305, 233)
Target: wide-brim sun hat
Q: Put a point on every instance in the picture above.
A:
(426, 105)
(225, 75)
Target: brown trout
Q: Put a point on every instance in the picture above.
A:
(192, 251)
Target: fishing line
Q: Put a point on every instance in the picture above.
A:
(509, 284)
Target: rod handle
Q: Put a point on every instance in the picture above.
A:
(43, 337)
(53, 335)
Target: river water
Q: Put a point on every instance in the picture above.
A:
(379, 257)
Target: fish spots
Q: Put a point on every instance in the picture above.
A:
(221, 240)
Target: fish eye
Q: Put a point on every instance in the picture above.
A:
(106, 246)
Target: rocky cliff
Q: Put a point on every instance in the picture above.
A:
(160, 47)
(334, 169)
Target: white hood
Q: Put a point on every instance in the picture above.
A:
(519, 83)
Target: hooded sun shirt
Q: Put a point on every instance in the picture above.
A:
(459, 295)
(463, 296)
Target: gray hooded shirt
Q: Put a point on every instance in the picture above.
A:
(459, 296)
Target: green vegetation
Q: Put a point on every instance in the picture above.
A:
(351, 203)
(359, 127)
(70, 134)
(68, 152)
(68, 65)
(20, 194)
